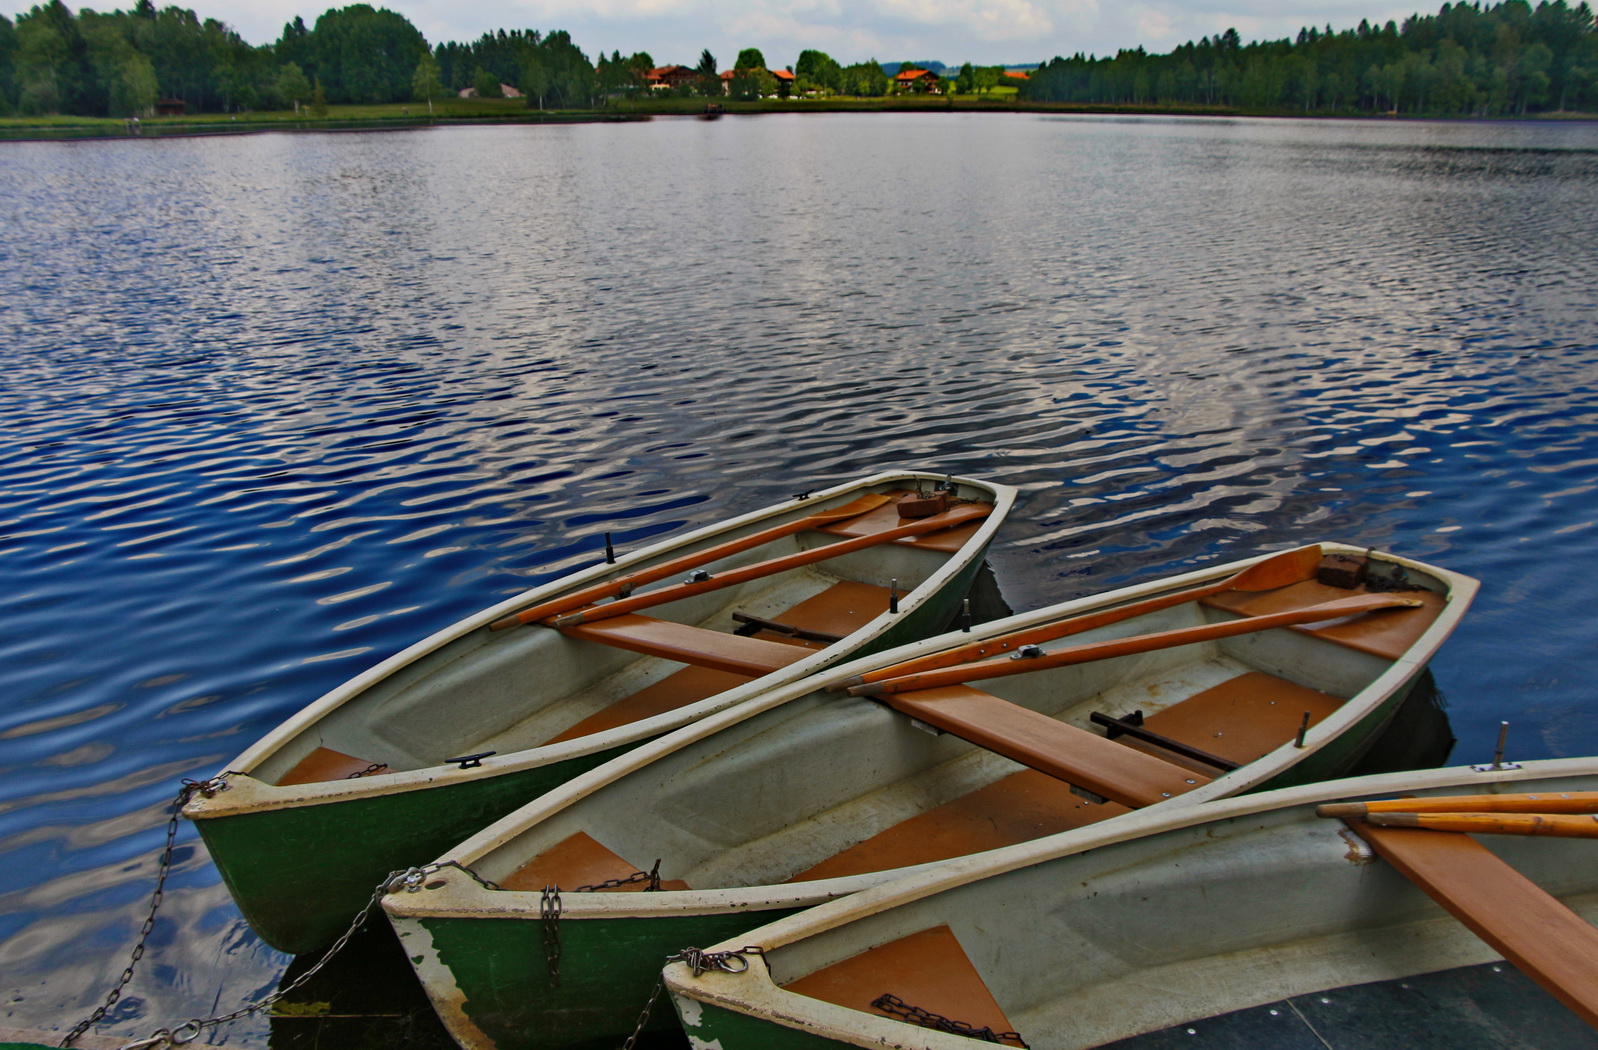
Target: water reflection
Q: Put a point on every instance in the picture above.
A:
(277, 406)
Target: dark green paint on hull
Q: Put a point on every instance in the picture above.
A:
(730, 1030)
(300, 874)
(608, 967)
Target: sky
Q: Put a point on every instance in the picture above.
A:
(984, 32)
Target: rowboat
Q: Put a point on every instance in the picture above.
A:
(394, 766)
(1163, 919)
(1265, 672)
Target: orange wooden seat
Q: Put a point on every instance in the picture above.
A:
(717, 661)
(1241, 719)
(579, 861)
(1018, 808)
(887, 517)
(840, 610)
(1387, 633)
(1532, 929)
(928, 969)
(1076, 756)
(687, 644)
(325, 764)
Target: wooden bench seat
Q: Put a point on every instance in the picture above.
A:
(840, 610)
(887, 517)
(719, 662)
(1526, 925)
(1076, 756)
(1388, 633)
(1242, 719)
(580, 860)
(687, 644)
(928, 969)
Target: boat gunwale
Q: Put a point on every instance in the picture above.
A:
(464, 898)
(752, 992)
(247, 794)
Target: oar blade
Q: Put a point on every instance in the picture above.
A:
(1280, 570)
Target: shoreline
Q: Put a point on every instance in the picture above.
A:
(482, 112)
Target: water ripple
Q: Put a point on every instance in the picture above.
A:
(277, 406)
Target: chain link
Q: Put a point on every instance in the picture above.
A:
(652, 876)
(189, 1030)
(410, 879)
(188, 790)
(549, 908)
(699, 962)
(897, 1008)
(549, 914)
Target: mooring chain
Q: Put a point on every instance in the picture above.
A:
(652, 877)
(549, 914)
(699, 962)
(190, 1030)
(897, 1008)
(190, 788)
(412, 879)
(549, 908)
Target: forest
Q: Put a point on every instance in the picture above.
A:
(1467, 60)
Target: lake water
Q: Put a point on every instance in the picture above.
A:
(275, 406)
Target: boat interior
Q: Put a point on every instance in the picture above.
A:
(506, 691)
(1139, 935)
(831, 785)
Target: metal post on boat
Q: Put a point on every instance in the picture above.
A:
(893, 595)
(610, 552)
(965, 615)
(1498, 762)
(1303, 728)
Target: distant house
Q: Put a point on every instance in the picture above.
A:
(664, 78)
(1018, 74)
(170, 107)
(505, 89)
(917, 80)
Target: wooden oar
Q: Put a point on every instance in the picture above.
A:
(1278, 570)
(1567, 826)
(948, 519)
(1142, 643)
(672, 566)
(1547, 802)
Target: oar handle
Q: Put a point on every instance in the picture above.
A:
(1562, 825)
(1279, 570)
(1142, 643)
(670, 567)
(1540, 802)
(948, 519)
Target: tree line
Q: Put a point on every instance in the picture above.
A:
(1467, 59)
(1509, 58)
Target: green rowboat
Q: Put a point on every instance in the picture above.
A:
(393, 767)
(1165, 918)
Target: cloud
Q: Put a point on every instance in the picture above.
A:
(992, 20)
